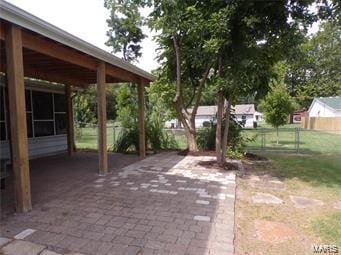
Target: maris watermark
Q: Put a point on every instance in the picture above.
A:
(325, 249)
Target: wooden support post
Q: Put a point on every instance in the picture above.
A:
(69, 116)
(17, 114)
(142, 137)
(102, 119)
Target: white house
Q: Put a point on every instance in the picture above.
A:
(244, 113)
(204, 114)
(325, 107)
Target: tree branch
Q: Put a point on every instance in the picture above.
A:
(199, 91)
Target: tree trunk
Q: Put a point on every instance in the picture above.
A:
(277, 135)
(187, 119)
(226, 132)
(220, 105)
(191, 141)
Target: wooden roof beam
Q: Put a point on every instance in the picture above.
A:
(49, 48)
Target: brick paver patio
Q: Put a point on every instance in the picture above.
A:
(165, 204)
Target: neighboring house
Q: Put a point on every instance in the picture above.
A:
(296, 116)
(244, 113)
(325, 107)
(173, 123)
(259, 116)
(205, 114)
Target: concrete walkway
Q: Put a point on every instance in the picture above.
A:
(165, 204)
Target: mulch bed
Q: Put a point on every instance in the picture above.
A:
(228, 166)
(196, 153)
(254, 157)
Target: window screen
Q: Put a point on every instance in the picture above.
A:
(60, 123)
(28, 100)
(29, 124)
(59, 103)
(43, 128)
(42, 105)
(2, 131)
(2, 104)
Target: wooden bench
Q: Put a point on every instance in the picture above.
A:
(4, 173)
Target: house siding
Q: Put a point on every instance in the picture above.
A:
(38, 146)
(319, 109)
(248, 121)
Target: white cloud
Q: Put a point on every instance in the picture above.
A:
(85, 19)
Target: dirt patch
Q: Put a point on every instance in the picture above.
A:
(273, 232)
(254, 157)
(196, 153)
(337, 205)
(228, 166)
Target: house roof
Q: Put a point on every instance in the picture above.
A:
(238, 109)
(33, 24)
(334, 103)
(206, 110)
(244, 109)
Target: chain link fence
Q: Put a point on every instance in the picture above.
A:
(293, 140)
(86, 135)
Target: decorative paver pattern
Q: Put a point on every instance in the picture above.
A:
(124, 213)
(22, 248)
(24, 233)
(4, 241)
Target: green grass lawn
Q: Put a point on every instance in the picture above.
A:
(86, 138)
(307, 175)
(310, 141)
(314, 172)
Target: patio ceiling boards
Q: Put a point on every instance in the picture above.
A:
(52, 54)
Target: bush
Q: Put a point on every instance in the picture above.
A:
(127, 140)
(236, 142)
(156, 138)
(206, 138)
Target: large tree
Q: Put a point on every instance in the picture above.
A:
(186, 63)
(125, 28)
(233, 44)
(249, 38)
(314, 68)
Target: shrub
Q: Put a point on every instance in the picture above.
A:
(127, 140)
(236, 142)
(206, 138)
(156, 138)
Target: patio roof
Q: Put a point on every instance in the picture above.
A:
(52, 54)
(34, 48)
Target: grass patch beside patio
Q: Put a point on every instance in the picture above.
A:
(316, 176)
(329, 228)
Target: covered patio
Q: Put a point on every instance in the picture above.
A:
(53, 176)
(31, 47)
(164, 204)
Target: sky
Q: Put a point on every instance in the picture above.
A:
(85, 19)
